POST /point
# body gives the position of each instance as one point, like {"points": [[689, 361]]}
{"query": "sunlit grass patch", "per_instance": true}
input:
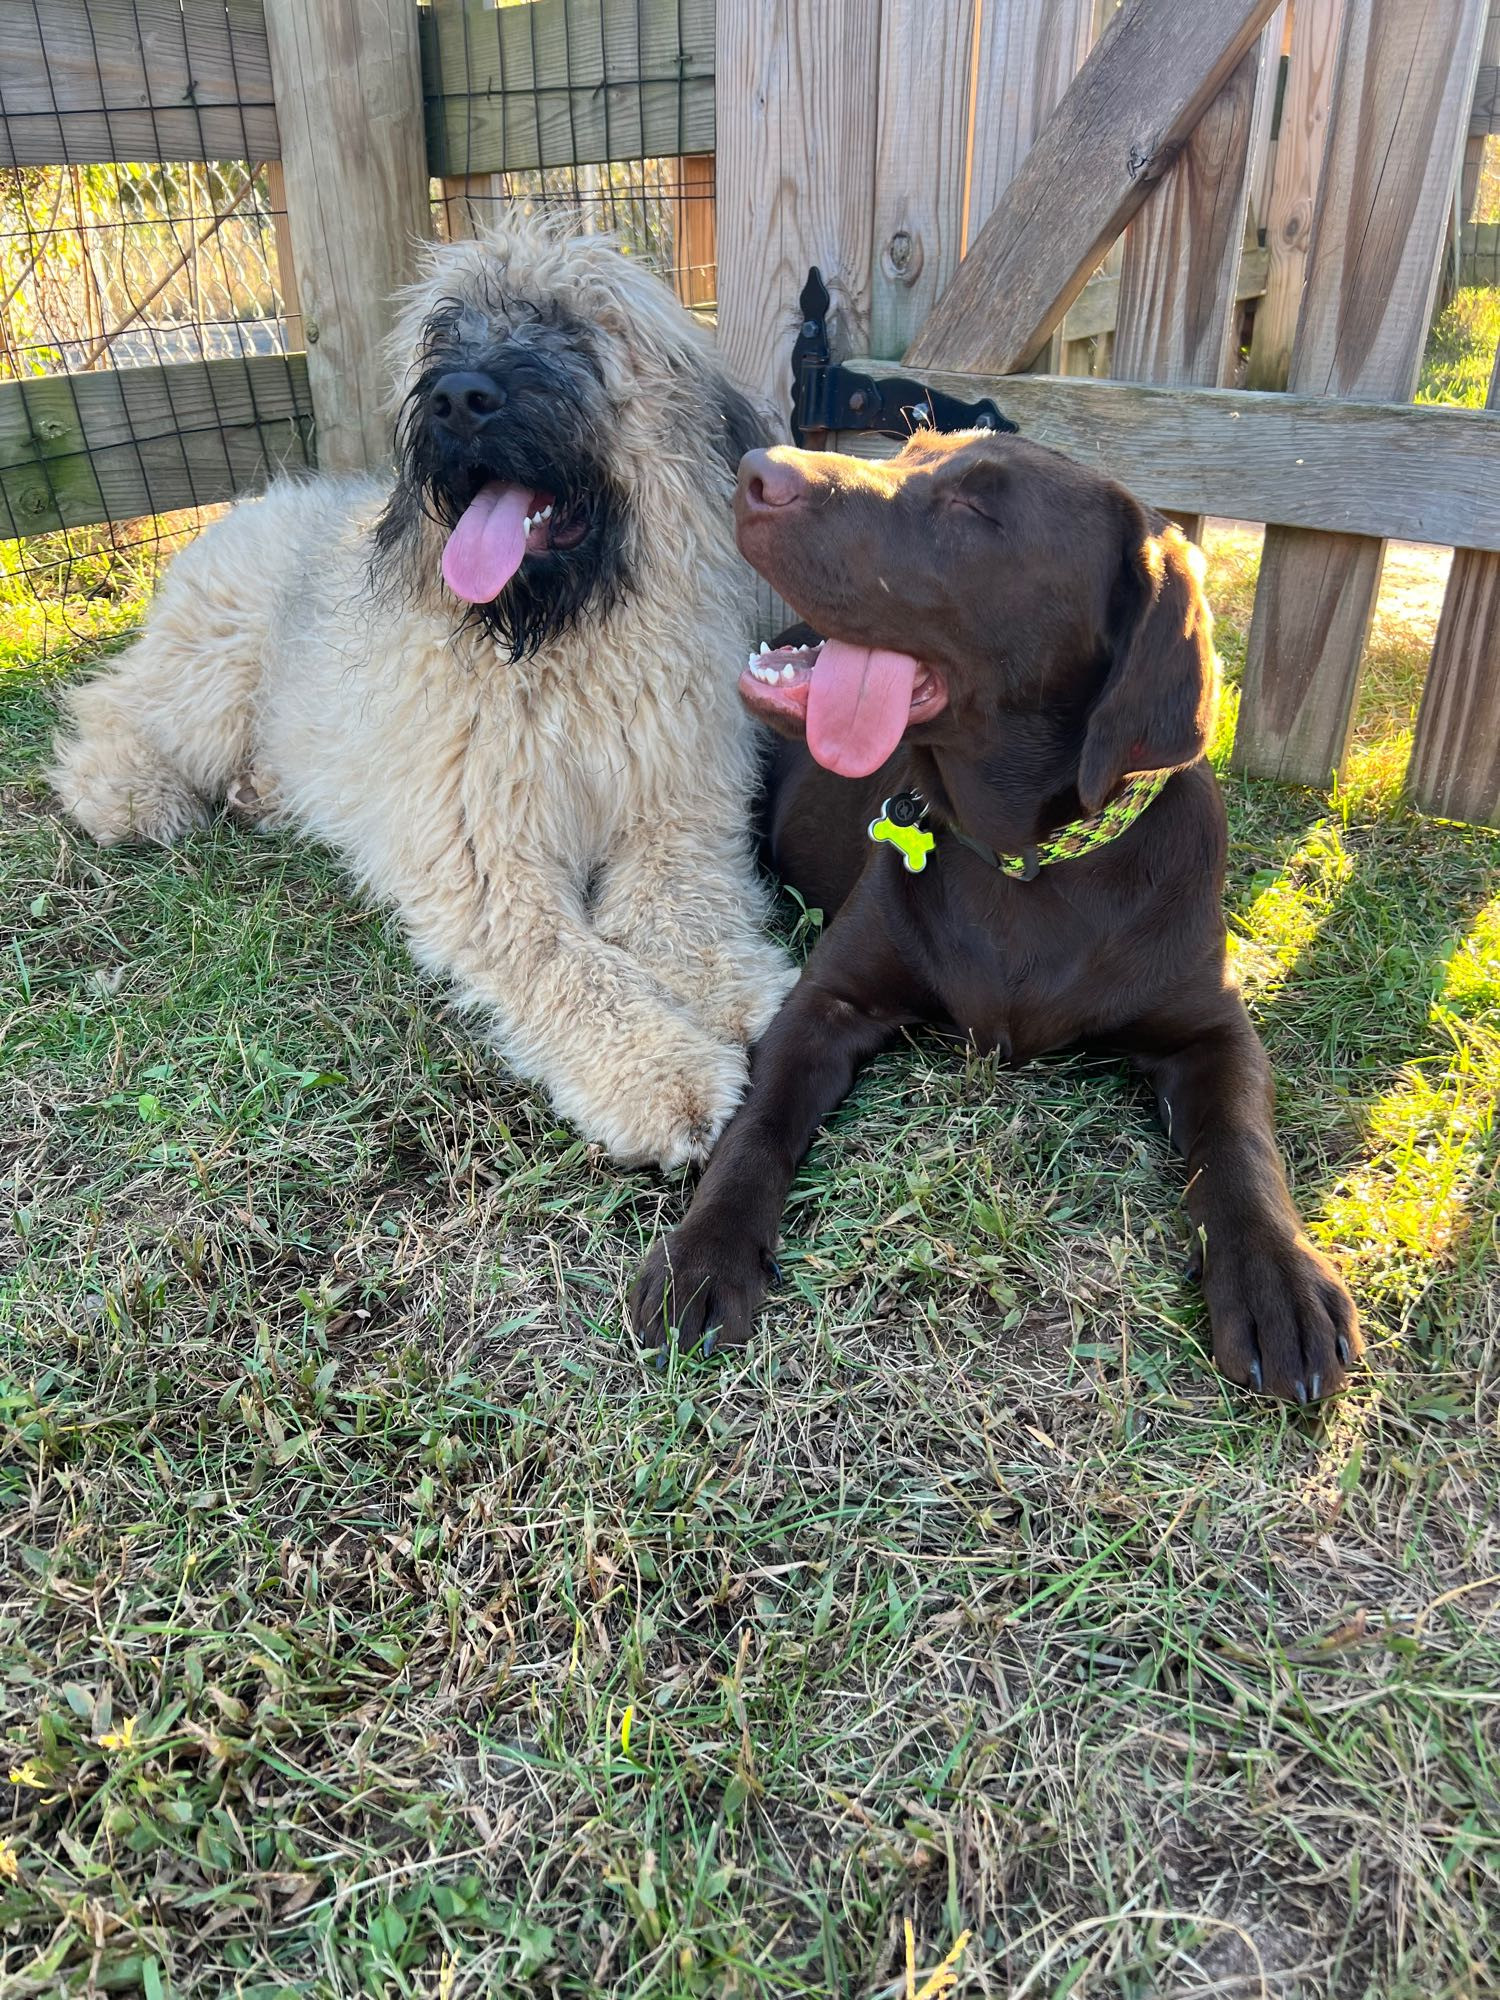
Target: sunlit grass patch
{"points": [[1288, 908], [64, 595], [1461, 348], [1428, 1182]]}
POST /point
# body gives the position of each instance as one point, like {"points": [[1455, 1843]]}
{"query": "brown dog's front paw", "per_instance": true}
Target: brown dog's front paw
{"points": [[1283, 1321], [701, 1288]]}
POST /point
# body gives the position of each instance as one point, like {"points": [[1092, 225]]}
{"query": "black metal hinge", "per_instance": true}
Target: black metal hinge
{"points": [[827, 396]]}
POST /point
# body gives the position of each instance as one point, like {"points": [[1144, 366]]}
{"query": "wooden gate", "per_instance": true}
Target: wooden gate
{"points": [[960, 170]]}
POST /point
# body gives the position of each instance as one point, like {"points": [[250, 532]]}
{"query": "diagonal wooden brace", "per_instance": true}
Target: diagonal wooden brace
{"points": [[1112, 137]]}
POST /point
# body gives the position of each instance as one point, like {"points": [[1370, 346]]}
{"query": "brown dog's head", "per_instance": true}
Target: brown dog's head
{"points": [[972, 581]]}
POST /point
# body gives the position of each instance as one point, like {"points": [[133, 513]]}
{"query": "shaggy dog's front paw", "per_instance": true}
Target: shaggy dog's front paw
{"points": [[668, 1105], [744, 1003]]}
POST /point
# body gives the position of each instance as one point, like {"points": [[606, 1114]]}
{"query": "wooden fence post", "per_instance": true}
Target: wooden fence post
{"points": [[469, 202], [348, 85], [1400, 111], [1455, 760]]}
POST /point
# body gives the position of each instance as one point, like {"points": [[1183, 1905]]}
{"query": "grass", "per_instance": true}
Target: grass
{"points": [[1461, 348], [377, 1624]]}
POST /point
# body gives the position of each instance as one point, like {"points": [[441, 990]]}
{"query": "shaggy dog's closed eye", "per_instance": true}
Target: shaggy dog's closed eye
{"points": [[499, 684]]}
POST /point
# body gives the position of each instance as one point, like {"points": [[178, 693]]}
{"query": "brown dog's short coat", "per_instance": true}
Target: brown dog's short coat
{"points": [[1055, 640]]}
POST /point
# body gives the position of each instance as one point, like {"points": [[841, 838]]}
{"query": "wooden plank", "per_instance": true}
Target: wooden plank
{"points": [[1097, 306], [1484, 117], [286, 263], [1455, 759], [1182, 250], [1479, 253], [349, 92], [566, 82], [1400, 108], [1178, 311], [76, 449], [796, 86], [1294, 186], [1417, 472], [1262, 133], [467, 202], [1156, 69], [921, 151], [695, 253], [1027, 53], [88, 80]]}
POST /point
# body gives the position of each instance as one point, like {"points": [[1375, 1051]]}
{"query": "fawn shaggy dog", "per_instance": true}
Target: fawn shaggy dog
{"points": [[501, 686]]}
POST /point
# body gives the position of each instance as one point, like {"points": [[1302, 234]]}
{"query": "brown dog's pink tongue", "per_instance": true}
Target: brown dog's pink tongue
{"points": [[484, 551], [857, 706]]}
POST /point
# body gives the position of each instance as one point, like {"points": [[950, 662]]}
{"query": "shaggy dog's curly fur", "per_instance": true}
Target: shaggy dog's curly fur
{"points": [[550, 780]]}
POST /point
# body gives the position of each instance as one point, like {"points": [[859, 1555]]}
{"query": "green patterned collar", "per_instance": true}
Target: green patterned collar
{"points": [[901, 818]]}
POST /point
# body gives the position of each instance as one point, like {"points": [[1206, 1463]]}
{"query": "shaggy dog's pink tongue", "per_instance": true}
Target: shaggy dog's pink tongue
{"points": [[484, 551], [858, 706]]}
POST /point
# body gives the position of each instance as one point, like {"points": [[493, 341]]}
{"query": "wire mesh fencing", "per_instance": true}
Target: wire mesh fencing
{"points": [[143, 324], [662, 211], [106, 267], [150, 336], [601, 108]]}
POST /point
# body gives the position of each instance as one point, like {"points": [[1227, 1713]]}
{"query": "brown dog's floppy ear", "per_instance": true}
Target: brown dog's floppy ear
{"points": [[1157, 706]]}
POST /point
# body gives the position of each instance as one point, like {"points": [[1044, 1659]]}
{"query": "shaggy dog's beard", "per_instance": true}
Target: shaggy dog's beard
{"points": [[544, 437]]}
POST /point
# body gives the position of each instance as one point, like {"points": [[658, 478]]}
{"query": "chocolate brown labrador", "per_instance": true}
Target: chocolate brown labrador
{"points": [[1008, 639]]}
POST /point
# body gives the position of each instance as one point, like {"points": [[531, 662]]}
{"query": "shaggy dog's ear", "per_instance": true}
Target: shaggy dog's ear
{"points": [[741, 426], [1157, 706]]}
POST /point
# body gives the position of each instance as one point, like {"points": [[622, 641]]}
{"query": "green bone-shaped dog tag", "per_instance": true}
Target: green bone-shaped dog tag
{"points": [[899, 823]]}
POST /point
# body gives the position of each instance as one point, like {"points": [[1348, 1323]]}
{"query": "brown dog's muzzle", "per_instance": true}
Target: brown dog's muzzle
{"points": [[853, 701]]}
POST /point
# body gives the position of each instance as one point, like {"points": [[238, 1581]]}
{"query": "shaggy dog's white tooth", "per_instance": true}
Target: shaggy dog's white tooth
{"points": [[546, 513], [764, 647], [526, 525], [789, 673]]}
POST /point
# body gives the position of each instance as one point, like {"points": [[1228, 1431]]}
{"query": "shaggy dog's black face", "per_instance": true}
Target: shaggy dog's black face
{"points": [[503, 440]]}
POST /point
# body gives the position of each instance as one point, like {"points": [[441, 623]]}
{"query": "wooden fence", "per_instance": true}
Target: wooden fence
{"points": [[990, 188], [958, 172]]}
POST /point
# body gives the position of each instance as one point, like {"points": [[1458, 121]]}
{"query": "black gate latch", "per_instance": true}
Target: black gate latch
{"points": [[827, 396]]}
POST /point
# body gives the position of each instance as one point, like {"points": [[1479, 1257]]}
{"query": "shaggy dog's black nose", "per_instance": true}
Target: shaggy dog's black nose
{"points": [[463, 400]]}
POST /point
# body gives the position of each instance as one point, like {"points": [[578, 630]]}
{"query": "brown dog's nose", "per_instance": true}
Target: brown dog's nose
{"points": [[770, 479]]}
